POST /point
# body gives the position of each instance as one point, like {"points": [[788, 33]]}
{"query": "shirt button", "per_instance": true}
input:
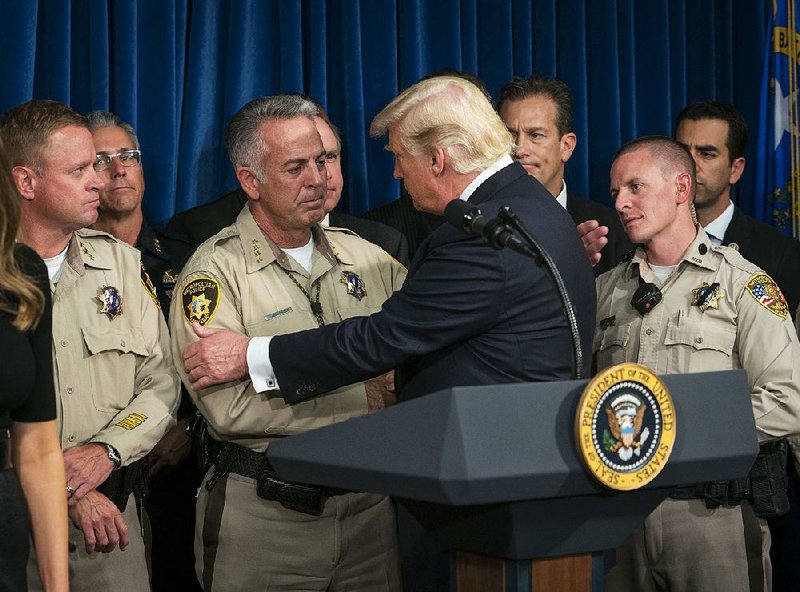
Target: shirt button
{"points": [[71, 437], [649, 332], [63, 343], [122, 342], [69, 390], [698, 340]]}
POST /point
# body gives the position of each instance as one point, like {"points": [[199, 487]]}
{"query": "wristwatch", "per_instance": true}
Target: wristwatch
{"points": [[113, 455]]}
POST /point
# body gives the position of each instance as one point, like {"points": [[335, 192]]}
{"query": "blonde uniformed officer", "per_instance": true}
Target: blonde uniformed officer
{"points": [[718, 312], [275, 270], [117, 391]]}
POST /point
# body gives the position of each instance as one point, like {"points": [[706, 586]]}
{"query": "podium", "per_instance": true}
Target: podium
{"points": [[494, 470]]}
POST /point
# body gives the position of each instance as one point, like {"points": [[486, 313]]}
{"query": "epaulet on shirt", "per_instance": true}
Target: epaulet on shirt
{"points": [[346, 234], [208, 245], [91, 234], [735, 259], [759, 284], [341, 230], [204, 249]]}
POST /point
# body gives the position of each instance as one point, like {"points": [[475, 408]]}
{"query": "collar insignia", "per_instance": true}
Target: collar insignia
{"points": [[257, 251], [168, 279], [355, 287], [111, 301], [86, 252]]}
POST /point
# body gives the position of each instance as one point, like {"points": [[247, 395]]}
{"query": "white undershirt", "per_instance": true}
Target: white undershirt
{"points": [[662, 272], [55, 265], [302, 254]]}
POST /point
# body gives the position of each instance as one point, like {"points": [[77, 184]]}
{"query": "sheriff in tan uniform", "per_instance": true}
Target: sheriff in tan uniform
{"points": [[742, 322], [114, 380], [717, 312], [739, 321], [241, 280]]}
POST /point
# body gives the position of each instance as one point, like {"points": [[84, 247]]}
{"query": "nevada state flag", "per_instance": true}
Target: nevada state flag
{"points": [[778, 149]]}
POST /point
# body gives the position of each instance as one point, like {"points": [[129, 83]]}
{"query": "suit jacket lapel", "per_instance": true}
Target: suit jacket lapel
{"points": [[737, 231]]}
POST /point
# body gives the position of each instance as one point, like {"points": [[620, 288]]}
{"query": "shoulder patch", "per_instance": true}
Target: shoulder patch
{"points": [[200, 300], [148, 285], [768, 294]]}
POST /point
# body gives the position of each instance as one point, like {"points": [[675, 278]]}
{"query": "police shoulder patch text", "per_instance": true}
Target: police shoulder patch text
{"points": [[200, 299], [625, 426]]}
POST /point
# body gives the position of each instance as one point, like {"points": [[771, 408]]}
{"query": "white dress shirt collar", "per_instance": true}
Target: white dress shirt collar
{"points": [[719, 226], [500, 163]]}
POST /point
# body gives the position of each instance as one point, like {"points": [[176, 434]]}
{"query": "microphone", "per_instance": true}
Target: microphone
{"points": [[494, 231]]}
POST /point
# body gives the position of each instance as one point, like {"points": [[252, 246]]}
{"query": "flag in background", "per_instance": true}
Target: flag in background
{"points": [[778, 149]]}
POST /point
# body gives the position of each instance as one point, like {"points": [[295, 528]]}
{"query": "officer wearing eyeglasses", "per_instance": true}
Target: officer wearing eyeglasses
{"points": [[173, 475], [680, 304]]}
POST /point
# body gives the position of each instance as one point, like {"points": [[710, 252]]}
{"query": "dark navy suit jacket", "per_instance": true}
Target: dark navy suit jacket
{"points": [[467, 314], [771, 250]]}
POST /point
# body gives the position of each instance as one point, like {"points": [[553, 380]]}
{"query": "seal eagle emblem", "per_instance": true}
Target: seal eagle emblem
{"points": [[625, 426]]}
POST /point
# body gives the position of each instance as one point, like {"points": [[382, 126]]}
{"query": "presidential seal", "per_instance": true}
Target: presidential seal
{"points": [[625, 426]]}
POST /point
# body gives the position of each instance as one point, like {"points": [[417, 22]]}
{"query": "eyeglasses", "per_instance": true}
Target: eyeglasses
{"points": [[127, 158]]}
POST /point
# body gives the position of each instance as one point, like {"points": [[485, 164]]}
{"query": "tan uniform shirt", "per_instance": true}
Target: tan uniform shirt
{"points": [[797, 321], [745, 327], [113, 371], [238, 280]]}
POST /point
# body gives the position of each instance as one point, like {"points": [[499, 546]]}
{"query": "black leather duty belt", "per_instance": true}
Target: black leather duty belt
{"points": [[232, 458]]}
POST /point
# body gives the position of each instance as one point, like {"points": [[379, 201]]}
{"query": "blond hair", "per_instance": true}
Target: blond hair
{"points": [[26, 130], [19, 296], [450, 113]]}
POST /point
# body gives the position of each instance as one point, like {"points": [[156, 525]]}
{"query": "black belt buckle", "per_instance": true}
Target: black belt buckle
{"points": [[292, 496]]}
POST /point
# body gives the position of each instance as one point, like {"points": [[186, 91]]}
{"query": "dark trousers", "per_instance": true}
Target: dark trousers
{"points": [[427, 564], [14, 534], [785, 533], [170, 506]]}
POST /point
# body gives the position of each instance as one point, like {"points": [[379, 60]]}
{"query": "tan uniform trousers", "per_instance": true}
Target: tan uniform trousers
{"points": [[661, 554], [121, 570], [247, 544]]}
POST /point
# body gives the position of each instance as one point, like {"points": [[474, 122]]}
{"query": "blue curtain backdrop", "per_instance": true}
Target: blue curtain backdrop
{"points": [[178, 69]]}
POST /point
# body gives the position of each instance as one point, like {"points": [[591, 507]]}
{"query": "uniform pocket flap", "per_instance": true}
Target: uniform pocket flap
{"points": [[699, 337], [615, 335], [99, 340]]}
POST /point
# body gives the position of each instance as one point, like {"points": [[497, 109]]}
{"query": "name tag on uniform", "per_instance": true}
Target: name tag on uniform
{"points": [[277, 313]]}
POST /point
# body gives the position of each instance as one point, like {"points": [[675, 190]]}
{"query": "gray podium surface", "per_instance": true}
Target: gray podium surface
{"points": [[494, 469]]}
